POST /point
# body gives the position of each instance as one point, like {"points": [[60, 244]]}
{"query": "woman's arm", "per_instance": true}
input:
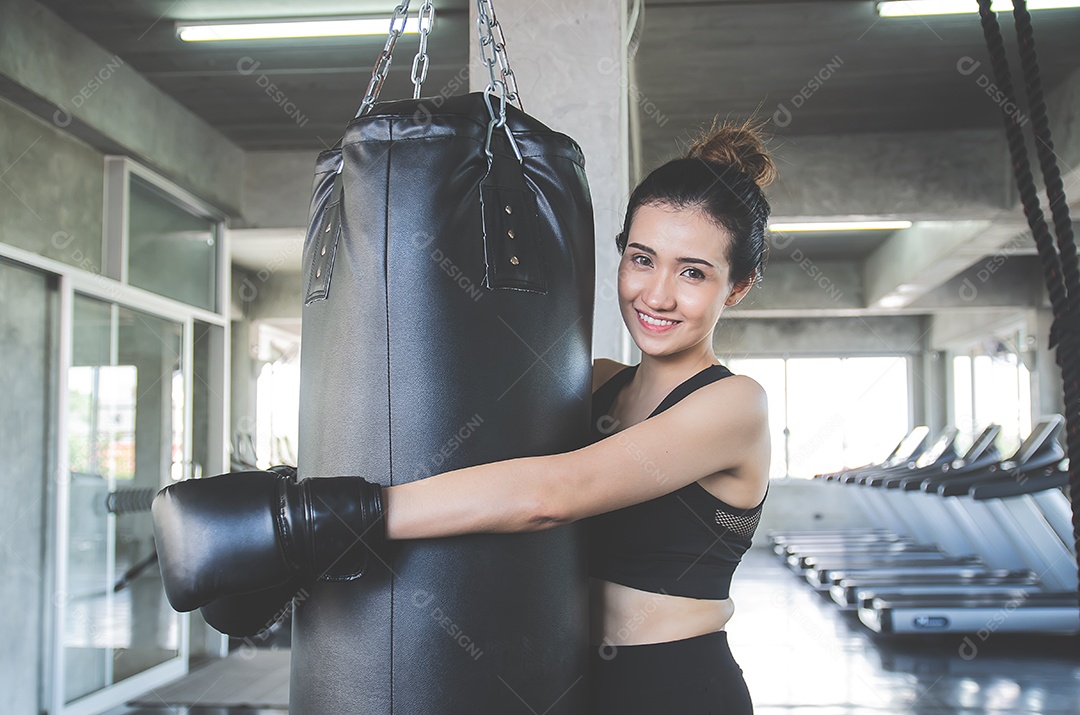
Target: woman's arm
{"points": [[721, 427]]}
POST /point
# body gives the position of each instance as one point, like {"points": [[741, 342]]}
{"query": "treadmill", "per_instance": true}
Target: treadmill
{"points": [[1030, 609], [800, 555], [943, 453], [948, 549], [981, 455], [971, 529], [905, 450]]}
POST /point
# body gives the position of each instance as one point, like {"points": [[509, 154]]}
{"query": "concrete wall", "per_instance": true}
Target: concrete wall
{"points": [[277, 189], [1047, 386], [910, 175], [60, 75], [778, 337], [51, 196], [243, 366], [803, 504], [27, 325]]}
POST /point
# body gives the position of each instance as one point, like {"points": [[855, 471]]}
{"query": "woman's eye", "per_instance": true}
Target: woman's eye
{"points": [[694, 273], [642, 260]]}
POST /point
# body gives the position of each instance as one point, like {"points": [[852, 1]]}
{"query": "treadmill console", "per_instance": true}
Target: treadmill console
{"points": [[1044, 434]]}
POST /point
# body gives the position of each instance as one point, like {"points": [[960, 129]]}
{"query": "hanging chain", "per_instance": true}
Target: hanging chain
{"points": [[492, 54], [420, 62], [382, 65], [493, 51], [508, 76]]}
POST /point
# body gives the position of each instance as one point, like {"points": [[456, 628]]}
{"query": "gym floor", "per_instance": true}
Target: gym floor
{"points": [[802, 656]]}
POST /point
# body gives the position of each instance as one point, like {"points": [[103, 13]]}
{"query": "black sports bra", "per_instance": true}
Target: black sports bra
{"points": [[685, 543]]}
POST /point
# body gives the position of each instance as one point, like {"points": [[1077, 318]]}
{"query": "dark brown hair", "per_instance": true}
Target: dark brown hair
{"points": [[722, 174]]}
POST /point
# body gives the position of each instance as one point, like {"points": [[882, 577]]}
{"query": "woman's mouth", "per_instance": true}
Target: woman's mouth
{"points": [[654, 324]]}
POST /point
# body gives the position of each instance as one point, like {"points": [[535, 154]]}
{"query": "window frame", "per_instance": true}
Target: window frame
{"points": [[116, 225]]}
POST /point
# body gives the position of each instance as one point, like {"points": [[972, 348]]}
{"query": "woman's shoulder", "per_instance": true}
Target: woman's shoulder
{"points": [[603, 370], [734, 389]]}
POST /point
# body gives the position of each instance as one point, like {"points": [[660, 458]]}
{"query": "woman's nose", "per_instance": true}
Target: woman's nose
{"points": [[658, 294]]}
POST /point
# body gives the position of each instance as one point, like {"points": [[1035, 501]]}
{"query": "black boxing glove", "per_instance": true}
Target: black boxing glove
{"points": [[250, 614], [244, 532]]}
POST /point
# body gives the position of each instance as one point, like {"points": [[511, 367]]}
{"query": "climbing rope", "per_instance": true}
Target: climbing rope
{"points": [[1059, 262]]}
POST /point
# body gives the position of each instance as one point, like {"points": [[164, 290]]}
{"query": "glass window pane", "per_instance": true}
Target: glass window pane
{"points": [[876, 414], [125, 429], [1002, 387], [830, 413], [1024, 396], [171, 251], [816, 415], [278, 397], [963, 412]]}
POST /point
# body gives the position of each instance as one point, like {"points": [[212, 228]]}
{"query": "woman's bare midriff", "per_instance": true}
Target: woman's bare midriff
{"points": [[620, 615]]}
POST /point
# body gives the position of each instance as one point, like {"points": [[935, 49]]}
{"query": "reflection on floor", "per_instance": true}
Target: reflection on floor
{"points": [[801, 656]]}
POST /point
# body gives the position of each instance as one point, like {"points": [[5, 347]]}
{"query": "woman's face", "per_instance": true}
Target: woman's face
{"points": [[674, 279]]}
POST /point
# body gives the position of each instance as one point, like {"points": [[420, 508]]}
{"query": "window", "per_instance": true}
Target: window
{"points": [[162, 239], [277, 397], [832, 412], [171, 251], [991, 384]]}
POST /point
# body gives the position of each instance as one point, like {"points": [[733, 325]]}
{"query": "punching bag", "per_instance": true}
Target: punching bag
{"points": [[447, 322]]}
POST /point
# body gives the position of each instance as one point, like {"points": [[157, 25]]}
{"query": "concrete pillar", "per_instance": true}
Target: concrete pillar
{"points": [[27, 315], [931, 388], [570, 61], [1047, 387]]}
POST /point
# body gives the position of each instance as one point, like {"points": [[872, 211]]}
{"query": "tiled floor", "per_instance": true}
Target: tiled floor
{"points": [[801, 656]]}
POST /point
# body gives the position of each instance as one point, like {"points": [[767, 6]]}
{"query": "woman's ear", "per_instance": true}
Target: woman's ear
{"points": [[740, 289]]}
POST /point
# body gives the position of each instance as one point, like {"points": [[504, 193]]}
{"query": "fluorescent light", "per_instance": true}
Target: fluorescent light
{"points": [[261, 30], [840, 226], [911, 8]]}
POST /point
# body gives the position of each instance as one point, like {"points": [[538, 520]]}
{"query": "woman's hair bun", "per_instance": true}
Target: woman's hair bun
{"points": [[739, 145]]}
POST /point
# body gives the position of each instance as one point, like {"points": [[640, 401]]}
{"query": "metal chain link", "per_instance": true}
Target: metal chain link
{"points": [[382, 65], [420, 62], [508, 76], [490, 35], [493, 51]]}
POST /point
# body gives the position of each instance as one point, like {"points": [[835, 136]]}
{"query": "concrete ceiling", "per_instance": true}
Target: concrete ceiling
{"points": [[829, 76], [321, 81], [700, 58], [695, 59]]}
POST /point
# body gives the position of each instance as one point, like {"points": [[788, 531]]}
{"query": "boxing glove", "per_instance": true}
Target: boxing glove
{"points": [[251, 614], [244, 532]]}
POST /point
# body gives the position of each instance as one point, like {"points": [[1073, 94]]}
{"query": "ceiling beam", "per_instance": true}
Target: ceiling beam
{"points": [[914, 261], [53, 71], [910, 175], [1063, 110]]}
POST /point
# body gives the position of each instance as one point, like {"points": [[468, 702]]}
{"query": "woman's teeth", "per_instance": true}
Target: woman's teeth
{"points": [[655, 321]]}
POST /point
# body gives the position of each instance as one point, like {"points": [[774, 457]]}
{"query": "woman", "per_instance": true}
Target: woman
{"points": [[676, 476], [673, 481]]}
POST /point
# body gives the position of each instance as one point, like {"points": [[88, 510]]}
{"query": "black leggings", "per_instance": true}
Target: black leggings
{"points": [[695, 676]]}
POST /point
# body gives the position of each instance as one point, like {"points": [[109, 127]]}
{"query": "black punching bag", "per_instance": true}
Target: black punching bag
{"points": [[447, 323]]}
